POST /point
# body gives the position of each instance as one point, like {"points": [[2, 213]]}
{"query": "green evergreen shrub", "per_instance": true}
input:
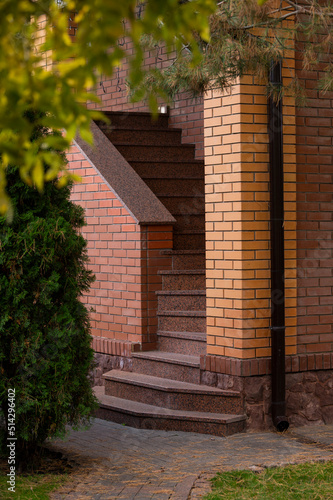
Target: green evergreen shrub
{"points": [[45, 342]]}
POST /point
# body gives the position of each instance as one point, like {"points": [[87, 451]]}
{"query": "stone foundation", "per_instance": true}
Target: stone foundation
{"points": [[309, 394], [107, 362], [309, 397]]}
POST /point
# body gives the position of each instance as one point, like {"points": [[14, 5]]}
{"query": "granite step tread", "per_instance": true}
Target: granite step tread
{"points": [[189, 214], [144, 410], [164, 384], [178, 162], [183, 279], [189, 231], [156, 153], [185, 302], [111, 128], [163, 146], [198, 314], [183, 252], [168, 170], [169, 357], [181, 292], [182, 271], [144, 136], [184, 195], [135, 120], [165, 178], [197, 336], [193, 343], [166, 186], [175, 204]]}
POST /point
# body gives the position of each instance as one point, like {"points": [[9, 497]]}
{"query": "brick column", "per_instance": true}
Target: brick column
{"points": [[237, 221]]}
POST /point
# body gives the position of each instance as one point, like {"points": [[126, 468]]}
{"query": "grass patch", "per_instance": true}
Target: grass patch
{"points": [[293, 482], [38, 480], [32, 487]]}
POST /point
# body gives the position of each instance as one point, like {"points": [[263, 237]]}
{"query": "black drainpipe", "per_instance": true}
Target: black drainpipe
{"points": [[277, 253]]}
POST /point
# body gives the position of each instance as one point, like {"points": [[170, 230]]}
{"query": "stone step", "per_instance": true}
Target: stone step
{"points": [[171, 394], [192, 279], [176, 186], [134, 120], [190, 343], [143, 416], [181, 300], [190, 221], [166, 169], [146, 136], [186, 239], [187, 203], [182, 321], [156, 153], [185, 368], [187, 259]]}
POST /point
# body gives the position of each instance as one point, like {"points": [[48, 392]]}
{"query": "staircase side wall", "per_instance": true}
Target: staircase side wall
{"points": [[113, 238], [125, 258]]}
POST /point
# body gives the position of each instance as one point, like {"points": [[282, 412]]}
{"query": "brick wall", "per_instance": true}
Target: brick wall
{"points": [[114, 251], [125, 258], [314, 217]]}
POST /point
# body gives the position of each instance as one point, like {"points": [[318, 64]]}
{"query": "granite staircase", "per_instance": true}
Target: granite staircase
{"points": [[163, 391]]}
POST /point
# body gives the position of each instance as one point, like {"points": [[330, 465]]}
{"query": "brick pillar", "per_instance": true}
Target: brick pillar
{"points": [[237, 221]]}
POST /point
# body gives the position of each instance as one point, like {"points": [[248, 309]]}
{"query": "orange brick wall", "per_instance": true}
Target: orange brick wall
{"points": [[114, 252], [314, 217], [237, 222], [124, 257]]}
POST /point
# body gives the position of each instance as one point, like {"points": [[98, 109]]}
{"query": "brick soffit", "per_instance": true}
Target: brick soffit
{"points": [[122, 180]]}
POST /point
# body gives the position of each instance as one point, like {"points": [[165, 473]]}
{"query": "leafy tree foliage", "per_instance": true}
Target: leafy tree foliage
{"points": [[45, 351], [60, 90], [246, 36]]}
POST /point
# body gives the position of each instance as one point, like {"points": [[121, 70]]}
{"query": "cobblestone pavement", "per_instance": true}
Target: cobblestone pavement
{"points": [[118, 462]]}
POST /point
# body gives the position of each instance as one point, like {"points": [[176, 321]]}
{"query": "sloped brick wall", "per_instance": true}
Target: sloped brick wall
{"points": [[114, 252], [125, 258]]}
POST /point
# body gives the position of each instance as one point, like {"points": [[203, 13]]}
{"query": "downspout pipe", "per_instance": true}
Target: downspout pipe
{"points": [[277, 252]]}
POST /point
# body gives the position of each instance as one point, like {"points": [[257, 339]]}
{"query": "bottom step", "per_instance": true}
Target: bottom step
{"points": [[142, 416]]}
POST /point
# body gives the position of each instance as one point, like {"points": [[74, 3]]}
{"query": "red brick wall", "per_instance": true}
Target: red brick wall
{"points": [[314, 213], [125, 258], [114, 252]]}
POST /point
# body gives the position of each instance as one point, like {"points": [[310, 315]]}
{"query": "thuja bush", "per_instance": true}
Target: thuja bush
{"points": [[45, 343]]}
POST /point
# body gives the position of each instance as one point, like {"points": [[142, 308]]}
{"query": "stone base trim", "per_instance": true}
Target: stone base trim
{"points": [[114, 347], [262, 366], [106, 362], [309, 396]]}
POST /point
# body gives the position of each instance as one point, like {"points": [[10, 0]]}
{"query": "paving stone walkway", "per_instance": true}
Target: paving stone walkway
{"points": [[118, 462]]}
